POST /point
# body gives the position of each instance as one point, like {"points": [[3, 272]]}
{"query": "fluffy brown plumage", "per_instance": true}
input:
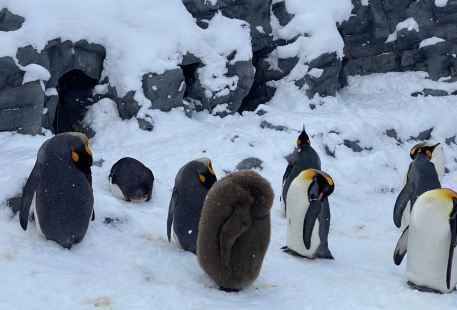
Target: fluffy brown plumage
{"points": [[234, 229]]}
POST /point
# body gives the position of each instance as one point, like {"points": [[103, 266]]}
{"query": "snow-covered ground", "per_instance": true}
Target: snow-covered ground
{"points": [[129, 263]]}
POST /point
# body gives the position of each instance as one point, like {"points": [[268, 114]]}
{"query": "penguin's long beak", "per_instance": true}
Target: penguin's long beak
{"points": [[453, 243], [312, 214]]}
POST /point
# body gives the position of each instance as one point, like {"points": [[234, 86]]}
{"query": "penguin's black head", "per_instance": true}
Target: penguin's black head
{"points": [[303, 139], [206, 174], [321, 186], [81, 154], [425, 148]]}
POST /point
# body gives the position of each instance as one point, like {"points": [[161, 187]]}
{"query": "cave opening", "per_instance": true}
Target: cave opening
{"points": [[190, 75], [75, 90]]}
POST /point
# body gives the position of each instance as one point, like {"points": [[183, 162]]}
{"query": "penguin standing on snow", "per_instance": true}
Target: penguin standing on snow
{"points": [[303, 157], [130, 180], [436, 154], [422, 176], [308, 214], [430, 240], [234, 229], [61, 186], [192, 183]]}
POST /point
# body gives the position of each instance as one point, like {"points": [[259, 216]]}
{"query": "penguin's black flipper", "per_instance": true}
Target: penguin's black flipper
{"points": [[236, 225], [311, 216], [400, 249], [27, 195], [287, 172], [453, 243], [93, 215], [171, 212], [401, 202]]}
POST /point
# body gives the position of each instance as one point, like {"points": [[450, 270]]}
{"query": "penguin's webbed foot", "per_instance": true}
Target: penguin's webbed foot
{"points": [[423, 288], [229, 290]]}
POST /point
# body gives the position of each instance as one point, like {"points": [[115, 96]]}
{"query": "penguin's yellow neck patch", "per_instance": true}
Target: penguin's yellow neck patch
{"points": [[210, 169], [74, 156], [202, 178], [308, 174], [88, 150], [329, 180]]}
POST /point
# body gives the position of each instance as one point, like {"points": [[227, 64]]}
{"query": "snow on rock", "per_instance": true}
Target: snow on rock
{"points": [[410, 24], [34, 72], [126, 262], [318, 20], [430, 41], [139, 36], [441, 3]]}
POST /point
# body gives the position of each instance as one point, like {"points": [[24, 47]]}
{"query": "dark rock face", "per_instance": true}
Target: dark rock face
{"points": [[10, 21], [255, 12], [21, 108], [166, 90], [249, 163], [366, 32]]}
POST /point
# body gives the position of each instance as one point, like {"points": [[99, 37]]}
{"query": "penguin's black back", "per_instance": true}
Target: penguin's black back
{"points": [[188, 197], [304, 157], [64, 197], [133, 178]]}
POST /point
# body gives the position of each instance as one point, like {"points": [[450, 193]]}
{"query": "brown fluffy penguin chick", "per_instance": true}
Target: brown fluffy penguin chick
{"points": [[234, 229]]}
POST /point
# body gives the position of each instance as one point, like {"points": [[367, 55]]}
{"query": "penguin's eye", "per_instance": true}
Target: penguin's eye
{"points": [[74, 156], [202, 178]]}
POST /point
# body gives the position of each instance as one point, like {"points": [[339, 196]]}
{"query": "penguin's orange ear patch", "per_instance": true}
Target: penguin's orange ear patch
{"points": [[428, 153], [201, 178], [308, 141], [298, 141], [74, 156]]}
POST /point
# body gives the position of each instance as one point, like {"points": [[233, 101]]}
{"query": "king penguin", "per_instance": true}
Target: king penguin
{"points": [[436, 154], [303, 157], [430, 240], [130, 180], [235, 229], [60, 185], [308, 215], [422, 176], [192, 183]]}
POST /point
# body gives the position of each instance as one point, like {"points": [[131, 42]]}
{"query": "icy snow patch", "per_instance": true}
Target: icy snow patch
{"points": [[430, 41], [441, 3]]}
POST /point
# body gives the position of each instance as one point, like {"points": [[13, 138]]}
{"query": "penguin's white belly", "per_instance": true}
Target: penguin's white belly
{"points": [[116, 190], [428, 250], [297, 205], [406, 215], [35, 214], [439, 161]]}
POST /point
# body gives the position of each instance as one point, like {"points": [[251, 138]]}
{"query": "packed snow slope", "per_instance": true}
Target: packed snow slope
{"points": [[129, 263]]}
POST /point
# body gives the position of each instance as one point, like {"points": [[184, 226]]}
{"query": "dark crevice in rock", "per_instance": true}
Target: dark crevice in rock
{"points": [[190, 76], [75, 96]]}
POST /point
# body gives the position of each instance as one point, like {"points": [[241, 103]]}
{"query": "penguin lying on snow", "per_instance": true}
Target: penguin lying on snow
{"points": [[422, 176], [130, 180], [430, 240], [303, 157], [234, 230], [61, 186], [192, 183], [308, 215]]}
